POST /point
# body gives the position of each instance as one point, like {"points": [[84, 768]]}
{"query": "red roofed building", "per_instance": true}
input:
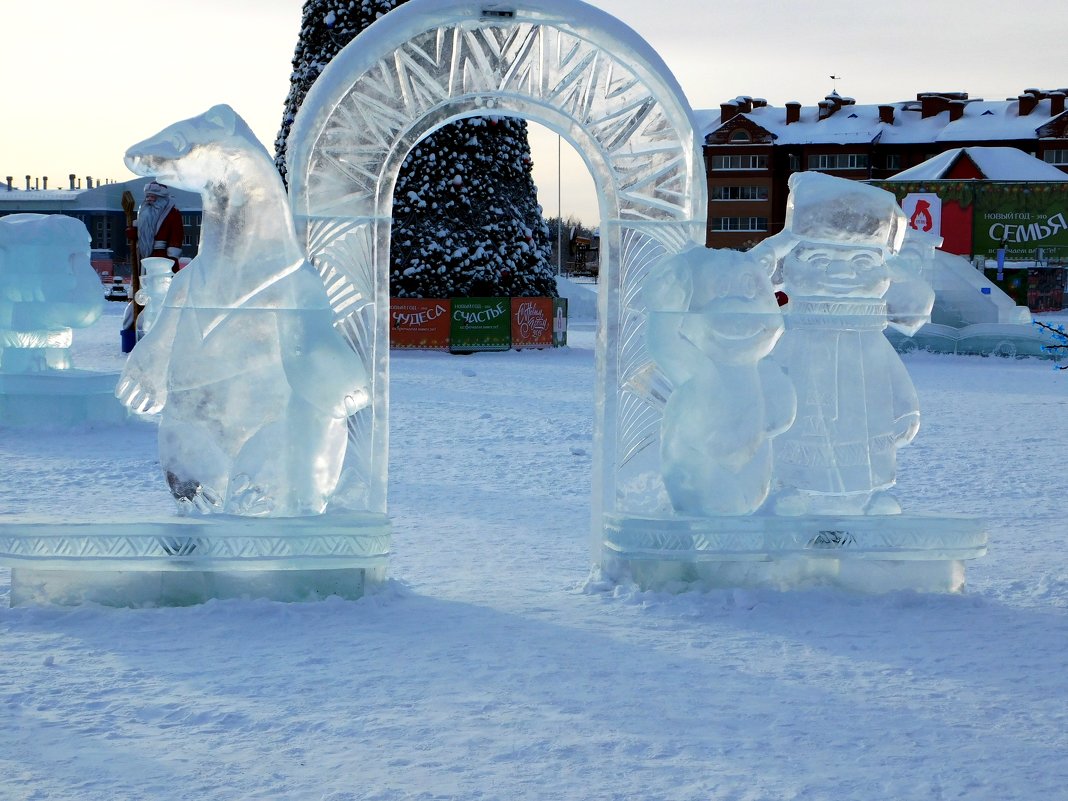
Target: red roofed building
{"points": [[751, 148]]}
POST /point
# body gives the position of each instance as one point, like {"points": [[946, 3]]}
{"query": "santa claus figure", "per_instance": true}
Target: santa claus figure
{"points": [[159, 225]]}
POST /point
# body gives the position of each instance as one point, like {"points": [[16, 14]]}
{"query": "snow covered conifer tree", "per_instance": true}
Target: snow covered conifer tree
{"points": [[466, 221]]}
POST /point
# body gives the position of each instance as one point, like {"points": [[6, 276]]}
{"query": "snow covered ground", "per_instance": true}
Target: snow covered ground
{"points": [[492, 667]]}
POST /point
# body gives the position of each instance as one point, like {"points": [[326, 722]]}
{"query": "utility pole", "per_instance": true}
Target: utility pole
{"points": [[559, 212]]}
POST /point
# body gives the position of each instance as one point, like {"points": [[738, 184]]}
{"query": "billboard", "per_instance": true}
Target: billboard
{"points": [[532, 323], [419, 324], [1029, 220], [481, 324]]}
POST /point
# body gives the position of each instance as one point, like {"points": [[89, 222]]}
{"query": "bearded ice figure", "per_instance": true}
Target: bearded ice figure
{"points": [[856, 404]]}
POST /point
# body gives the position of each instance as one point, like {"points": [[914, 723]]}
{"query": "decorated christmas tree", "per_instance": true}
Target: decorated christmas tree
{"points": [[466, 220]]}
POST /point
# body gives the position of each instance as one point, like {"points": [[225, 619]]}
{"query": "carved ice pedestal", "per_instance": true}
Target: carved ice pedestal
{"points": [[61, 398], [191, 560], [867, 553]]}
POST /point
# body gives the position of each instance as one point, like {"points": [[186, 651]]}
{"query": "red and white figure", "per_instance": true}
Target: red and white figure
{"points": [[923, 210]]}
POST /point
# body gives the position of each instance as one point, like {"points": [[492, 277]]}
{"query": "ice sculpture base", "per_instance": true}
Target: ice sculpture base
{"points": [[59, 398], [863, 553], [191, 560]]}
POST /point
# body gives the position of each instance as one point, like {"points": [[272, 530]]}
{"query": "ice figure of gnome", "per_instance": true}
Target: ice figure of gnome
{"points": [[855, 401], [713, 318], [47, 287], [253, 381]]}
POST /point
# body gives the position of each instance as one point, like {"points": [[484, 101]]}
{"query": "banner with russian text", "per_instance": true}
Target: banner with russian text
{"points": [[532, 323], [419, 323], [481, 324], [1029, 220]]}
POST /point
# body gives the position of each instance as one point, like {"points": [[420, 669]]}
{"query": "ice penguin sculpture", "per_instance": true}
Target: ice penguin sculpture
{"points": [[253, 381], [712, 319], [855, 401]]}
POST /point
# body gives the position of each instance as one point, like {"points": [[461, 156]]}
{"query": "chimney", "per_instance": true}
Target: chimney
{"points": [[746, 104], [728, 111], [886, 114], [37, 184], [826, 109], [956, 109], [46, 183], [88, 182], [71, 178], [793, 112], [28, 183], [1056, 103], [932, 105], [1027, 103], [759, 102], [9, 183]]}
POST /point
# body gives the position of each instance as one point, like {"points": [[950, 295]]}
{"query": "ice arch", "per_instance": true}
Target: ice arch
{"points": [[564, 64]]}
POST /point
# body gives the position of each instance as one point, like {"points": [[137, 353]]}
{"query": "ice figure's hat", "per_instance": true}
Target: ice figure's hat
{"points": [[838, 211]]}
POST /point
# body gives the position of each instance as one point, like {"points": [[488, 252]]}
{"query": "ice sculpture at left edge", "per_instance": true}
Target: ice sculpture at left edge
{"points": [[47, 288], [253, 382]]}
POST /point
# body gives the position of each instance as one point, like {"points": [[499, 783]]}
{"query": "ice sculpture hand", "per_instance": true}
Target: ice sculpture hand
{"points": [[253, 382], [712, 319], [47, 287], [910, 298]]}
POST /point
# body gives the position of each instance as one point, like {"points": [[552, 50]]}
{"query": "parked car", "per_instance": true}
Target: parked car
{"points": [[117, 290]]}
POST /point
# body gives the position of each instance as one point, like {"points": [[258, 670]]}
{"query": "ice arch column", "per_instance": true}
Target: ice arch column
{"points": [[564, 64]]}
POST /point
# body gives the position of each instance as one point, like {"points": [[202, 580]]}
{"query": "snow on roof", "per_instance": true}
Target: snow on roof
{"points": [[849, 124], [37, 195], [982, 120], [996, 163], [102, 197]]}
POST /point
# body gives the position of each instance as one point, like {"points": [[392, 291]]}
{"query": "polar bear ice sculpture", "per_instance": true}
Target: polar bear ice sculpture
{"points": [[253, 381], [712, 320]]}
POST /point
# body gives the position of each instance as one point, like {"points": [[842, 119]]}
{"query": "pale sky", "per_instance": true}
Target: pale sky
{"points": [[83, 79]]}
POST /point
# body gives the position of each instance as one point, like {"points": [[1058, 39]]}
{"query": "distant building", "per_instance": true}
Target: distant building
{"points": [[751, 148], [99, 207], [1005, 210]]}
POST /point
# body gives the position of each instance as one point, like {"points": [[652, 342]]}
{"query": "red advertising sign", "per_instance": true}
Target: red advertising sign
{"points": [[532, 323], [419, 323]]}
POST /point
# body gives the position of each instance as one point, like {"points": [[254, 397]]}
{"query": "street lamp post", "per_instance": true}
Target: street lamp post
{"points": [[559, 213]]}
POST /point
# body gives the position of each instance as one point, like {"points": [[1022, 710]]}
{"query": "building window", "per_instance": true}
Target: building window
{"points": [[739, 223], [739, 162], [740, 136], [793, 163], [1059, 157], [893, 161], [739, 193], [191, 234], [838, 161], [101, 233]]}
